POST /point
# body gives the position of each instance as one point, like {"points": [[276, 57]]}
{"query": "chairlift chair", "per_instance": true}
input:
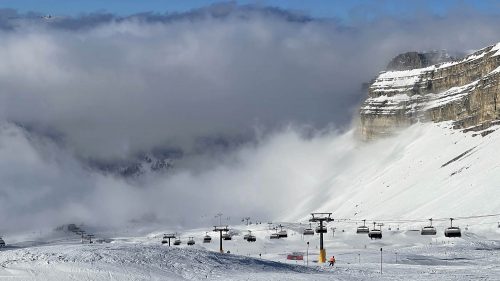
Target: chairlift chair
{"points": [[248, 236], [308, 231], [251, 238], [428, 230], [452, 231], [282, 234], [226, 236], [321, 229], [191, 241], [274, 236], [375, 233], [2, 243], [177, 242], [207, 238], [362, 229]]}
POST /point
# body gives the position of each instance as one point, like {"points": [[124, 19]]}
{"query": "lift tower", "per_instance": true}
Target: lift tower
{"points": [[220, 229], [168, 236], [321, 218]]}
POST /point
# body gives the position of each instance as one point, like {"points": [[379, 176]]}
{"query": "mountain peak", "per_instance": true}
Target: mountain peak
{"points": [[412, 60]]}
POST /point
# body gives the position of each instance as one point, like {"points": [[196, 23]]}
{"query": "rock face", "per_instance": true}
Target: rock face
{"points": [[412, 60], [465, 91]]}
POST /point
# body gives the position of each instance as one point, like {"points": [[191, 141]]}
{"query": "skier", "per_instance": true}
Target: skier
{"points": [[332, 261]]}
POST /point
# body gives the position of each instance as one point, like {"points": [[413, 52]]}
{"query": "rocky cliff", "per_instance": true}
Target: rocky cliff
{"points": [[412, 60], [465, 91]]}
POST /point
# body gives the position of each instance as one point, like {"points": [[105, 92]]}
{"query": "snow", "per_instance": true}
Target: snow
{"points": [[387, 105], [427, 171], [399, 81], [358, 258], [466, 59], [497, 49], [394, 98], [497, 70], [404, 177], [450, 95]]}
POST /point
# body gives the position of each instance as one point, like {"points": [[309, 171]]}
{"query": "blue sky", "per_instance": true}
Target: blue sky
{"points": [[343, 9]]}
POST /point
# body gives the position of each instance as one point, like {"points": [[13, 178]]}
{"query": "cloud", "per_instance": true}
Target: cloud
{"points": [[43, 185], [104, 87], [114, 86]]}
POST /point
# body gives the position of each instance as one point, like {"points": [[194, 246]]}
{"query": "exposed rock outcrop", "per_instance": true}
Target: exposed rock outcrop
{"points": [[466, 91], [412, 60]]}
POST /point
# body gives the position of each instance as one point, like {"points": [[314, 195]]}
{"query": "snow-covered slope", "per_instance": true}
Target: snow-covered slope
{"points": [[406, 255], [428, 171]]}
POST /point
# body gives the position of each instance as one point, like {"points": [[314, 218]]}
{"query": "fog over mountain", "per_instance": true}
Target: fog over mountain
{"points": [[101, 87]]}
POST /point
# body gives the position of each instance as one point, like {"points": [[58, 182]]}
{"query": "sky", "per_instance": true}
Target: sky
{"points": [[317, 8], [280, 81]]}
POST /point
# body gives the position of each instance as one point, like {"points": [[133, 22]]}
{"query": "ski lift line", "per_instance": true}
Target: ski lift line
{"points": [[420, 220], [401, 221]]}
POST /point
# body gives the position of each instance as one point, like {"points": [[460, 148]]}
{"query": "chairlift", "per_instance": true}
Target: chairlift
{"points": [[452, 231], [191, 241], [428, 230], [251, 238], [274, 236], [207, 238], [226, 236], [308, 231], [177, 242], [362, 229], [282, 234], [375, 233], [321, 229], [2, 243]]}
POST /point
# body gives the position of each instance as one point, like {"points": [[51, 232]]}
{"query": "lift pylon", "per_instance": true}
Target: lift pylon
{"points": [[166, 237], [321, 218], [220, 229]]}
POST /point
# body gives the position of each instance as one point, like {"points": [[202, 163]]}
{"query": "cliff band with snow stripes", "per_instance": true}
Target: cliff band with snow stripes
{"points": [[466, 91]]}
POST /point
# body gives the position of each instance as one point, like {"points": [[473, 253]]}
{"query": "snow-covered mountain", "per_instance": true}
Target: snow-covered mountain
{"points": [[438, 160], [464, 91]]}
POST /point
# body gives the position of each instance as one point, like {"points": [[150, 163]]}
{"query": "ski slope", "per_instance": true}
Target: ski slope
{"points": [[473, 257], [428, 171]]}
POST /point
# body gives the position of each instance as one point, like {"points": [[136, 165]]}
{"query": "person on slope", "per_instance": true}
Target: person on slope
{"points": [[332, 261]]}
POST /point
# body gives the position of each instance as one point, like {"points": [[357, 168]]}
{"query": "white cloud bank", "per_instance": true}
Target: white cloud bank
{"points": [[119, 87]]}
